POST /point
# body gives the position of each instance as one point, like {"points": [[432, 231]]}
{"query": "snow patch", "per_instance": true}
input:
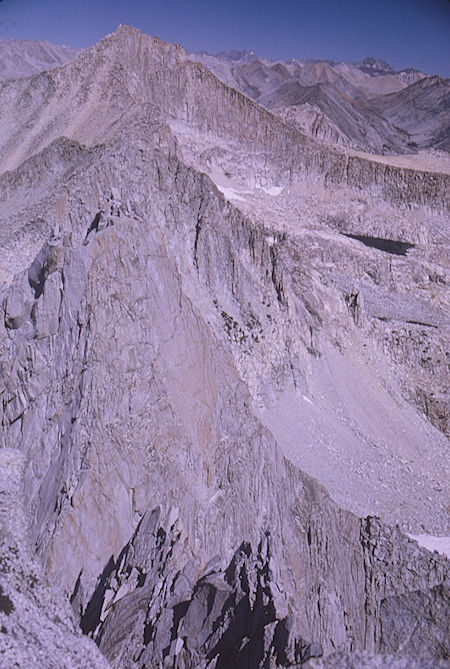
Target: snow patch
{"points": [[230, 193], [273, 190], [431, 543]]}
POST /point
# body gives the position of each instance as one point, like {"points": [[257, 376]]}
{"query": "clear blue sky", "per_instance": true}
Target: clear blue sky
{"points": [[413, 33]]}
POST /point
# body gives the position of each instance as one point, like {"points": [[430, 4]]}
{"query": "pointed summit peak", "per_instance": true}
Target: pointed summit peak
{"points": [[132, 44], [124, 29], [375, 66]]}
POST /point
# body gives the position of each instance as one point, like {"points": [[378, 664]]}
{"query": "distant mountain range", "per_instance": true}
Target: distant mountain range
{"points": [[366, 106], [21, 58]]}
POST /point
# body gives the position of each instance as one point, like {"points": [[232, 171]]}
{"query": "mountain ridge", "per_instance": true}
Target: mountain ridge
{"points": [[360, 81], [373, 133]]}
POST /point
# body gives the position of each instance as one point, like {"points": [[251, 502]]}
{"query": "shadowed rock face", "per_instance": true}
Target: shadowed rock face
{"points": [[398, 615], [190, 615], [182, 370], [200, 615]]}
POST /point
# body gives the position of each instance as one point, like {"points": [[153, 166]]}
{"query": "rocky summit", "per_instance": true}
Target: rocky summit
{"points": [[223, 369]]}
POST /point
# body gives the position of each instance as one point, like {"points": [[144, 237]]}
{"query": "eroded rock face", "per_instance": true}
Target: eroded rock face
{"points": [[400, 632], [151, 334]]}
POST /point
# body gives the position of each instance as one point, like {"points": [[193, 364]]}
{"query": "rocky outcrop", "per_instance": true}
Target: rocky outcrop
{"points": [[194, 615], [101, 382], [310, 120], [84, 443], [398, 582], [155, 605]]}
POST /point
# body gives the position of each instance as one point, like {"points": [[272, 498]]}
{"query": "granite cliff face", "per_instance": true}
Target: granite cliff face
{"points": [[222, 372]]}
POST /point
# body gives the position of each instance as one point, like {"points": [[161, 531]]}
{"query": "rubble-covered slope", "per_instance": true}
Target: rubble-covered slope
{"points": [[150, 329]]}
